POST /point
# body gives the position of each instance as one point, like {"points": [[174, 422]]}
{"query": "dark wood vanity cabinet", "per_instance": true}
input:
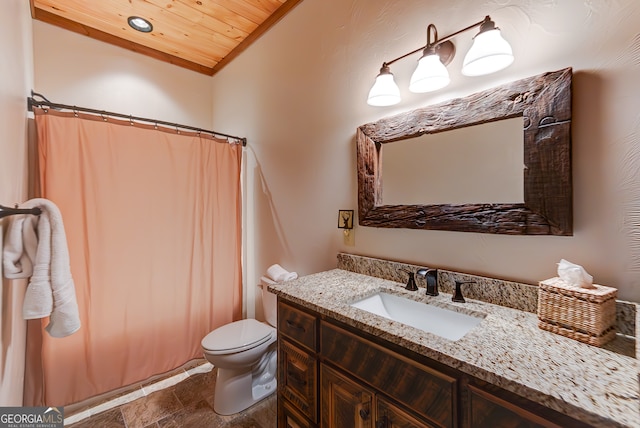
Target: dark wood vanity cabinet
{"points": [[331, 377], [334, 376]]}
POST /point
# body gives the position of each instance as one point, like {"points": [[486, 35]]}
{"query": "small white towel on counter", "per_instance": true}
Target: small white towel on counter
{"points": [[279, 274], [36, 247]]}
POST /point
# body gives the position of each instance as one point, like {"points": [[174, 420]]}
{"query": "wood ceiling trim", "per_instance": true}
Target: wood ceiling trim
{"points": [[53, 19], [286, 7]]}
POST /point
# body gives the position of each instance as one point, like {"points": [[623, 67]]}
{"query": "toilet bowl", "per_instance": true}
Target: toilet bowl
{"points": [[244, 352]]}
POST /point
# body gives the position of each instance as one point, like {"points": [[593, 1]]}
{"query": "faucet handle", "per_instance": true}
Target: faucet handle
{"points": [[458, 297], [411, 281]]}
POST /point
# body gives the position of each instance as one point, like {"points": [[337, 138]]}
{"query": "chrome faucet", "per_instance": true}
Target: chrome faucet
{"points": [[431, 277]]}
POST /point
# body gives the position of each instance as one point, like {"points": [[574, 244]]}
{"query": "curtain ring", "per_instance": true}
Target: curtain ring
{"points": [[75, 112], [155, 126], [177, 130], [103, 117], [130, 120]]}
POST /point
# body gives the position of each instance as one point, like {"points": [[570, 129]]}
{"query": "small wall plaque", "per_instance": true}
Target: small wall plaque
{"points": [[345, 219]]}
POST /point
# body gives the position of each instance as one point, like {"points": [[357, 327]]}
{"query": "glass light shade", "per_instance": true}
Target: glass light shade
{"points": [[488, 54], [384, 91], [430, 75]]}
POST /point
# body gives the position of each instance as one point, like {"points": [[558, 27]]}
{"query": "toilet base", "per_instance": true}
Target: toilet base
{"points": [[237, 390]]}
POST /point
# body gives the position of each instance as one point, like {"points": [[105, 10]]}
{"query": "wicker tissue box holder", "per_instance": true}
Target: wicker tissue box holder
{"points": [[586, 315]]}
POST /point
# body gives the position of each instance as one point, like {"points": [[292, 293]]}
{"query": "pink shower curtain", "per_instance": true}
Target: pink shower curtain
{"points": [[153, 222]]}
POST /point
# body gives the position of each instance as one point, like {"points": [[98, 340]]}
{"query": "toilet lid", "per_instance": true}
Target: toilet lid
{"points": [[237, 336]]}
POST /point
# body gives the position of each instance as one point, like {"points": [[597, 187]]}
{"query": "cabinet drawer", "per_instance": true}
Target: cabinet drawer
{"points": [[298, 325], [426, 391], [498, 408], [288, 417], [297, 379], [389, 415]]}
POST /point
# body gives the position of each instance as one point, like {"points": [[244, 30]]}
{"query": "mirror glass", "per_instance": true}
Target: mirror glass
{"points": [[479, 164]]}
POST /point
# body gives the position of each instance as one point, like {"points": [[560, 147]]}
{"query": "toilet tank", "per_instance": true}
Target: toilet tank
{"points": [[269, 302]]}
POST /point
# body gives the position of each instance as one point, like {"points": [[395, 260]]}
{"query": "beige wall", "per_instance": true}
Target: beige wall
{"points": [[299, 93], [76, 70], [16, 77]]}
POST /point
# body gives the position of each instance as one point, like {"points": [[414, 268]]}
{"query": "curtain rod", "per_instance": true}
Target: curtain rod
{"points": [[32, 102]]}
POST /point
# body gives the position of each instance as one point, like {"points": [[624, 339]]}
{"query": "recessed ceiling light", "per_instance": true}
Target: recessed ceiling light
{"points": [[140, 24]]}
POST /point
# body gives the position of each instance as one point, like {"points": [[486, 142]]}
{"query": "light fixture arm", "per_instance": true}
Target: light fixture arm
{"points": [[486, 21], [388, 63], [431, 27]]}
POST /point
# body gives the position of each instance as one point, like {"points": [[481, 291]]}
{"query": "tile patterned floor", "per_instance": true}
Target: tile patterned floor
{"points": [[186, 404]]}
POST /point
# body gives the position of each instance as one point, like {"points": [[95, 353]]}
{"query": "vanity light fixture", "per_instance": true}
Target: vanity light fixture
{"points": [[140, 24], [489, 53]]}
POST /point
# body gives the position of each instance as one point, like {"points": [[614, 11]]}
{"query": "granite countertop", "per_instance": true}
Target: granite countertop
{"points": [[507, 348]]}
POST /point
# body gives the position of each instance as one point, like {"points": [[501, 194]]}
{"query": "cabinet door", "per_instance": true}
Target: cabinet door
{"points": [[390, 416], [345, 404]]}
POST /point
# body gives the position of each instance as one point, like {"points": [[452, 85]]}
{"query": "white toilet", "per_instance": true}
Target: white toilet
{"points": [[244, 353]]}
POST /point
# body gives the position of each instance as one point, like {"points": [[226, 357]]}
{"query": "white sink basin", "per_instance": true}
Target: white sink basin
{"points": [[445, 323]]}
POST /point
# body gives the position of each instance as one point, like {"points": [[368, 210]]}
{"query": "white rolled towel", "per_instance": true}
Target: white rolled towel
{"points": [[279, 274]]}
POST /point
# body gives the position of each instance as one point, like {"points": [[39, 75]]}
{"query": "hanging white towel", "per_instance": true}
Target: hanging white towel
{"points": [[278, 273], [36, 247]]}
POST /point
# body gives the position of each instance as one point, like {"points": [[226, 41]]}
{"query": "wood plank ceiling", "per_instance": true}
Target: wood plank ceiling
{"points": [[201, 35]]}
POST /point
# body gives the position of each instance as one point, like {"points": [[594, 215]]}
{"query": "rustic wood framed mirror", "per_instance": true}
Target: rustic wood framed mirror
{"points": [[544, 103]]}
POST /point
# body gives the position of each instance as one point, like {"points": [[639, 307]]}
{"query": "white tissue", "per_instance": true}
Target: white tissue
{"points": [[278, 273], [574, 275]]}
